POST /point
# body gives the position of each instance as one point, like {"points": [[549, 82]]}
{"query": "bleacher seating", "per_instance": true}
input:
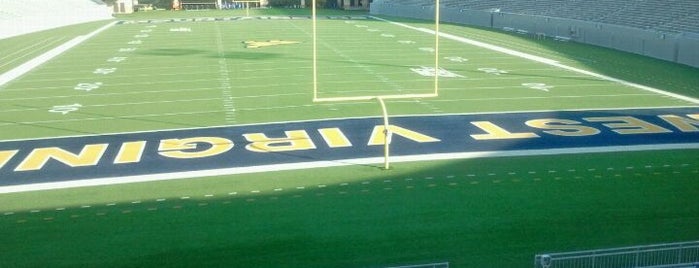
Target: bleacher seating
{"points": [[24, 16], [662, 15]]}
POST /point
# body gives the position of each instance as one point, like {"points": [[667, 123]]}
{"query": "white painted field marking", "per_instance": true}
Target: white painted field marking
{"points": [[8, 59], [181, 29], [494, 71], [538, 86], [455, 184], [114, 118], [59, 108], [266, 96], [547, 97], [65, 109], [456, 59], [43, 58], [318, 164], [104, 70], [229, 104], [430, 72], [543, 60], [88, 86]]}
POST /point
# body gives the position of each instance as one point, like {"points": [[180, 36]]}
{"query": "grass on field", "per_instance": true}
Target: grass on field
{"points": [[150, 76], [471, 213], [494, 212]]}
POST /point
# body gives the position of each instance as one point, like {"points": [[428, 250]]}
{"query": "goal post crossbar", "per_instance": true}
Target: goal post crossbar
{"points": [[366, 98]]}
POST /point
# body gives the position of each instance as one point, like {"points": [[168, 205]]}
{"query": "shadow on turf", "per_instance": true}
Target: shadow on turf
{"points": [[418, 213], [176, 52], [172, 52], [247, 55], [665, 75], [75, 131]]}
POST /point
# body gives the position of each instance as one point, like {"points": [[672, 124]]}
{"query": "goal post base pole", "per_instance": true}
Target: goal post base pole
{"points": [[387, 135]]}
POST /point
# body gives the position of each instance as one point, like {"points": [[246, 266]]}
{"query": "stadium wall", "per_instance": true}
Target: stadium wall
{"points": [[18, 17], [679, 48]]}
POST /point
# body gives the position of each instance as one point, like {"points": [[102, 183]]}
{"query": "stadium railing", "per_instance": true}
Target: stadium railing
{"points": [[428, 265], [674, 255]]}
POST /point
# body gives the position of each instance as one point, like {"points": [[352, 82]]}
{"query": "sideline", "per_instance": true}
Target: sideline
{"points": [[43, 58], [332, 163], [541, 60]]}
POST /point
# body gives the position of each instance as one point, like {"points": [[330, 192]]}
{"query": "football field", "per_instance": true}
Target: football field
{"points": [[192, 139]]}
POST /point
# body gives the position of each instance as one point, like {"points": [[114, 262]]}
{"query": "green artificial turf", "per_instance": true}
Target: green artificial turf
{"points": [[491, 212], [471, 213], [150, 76]]}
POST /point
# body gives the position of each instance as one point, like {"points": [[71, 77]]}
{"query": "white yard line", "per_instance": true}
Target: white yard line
{"points": [[43, 58], [287, 107], [107, 118], [308, 120], [225, 83], [543, 97], [120, 104], [153, 92], [335, 163], [543, 60], [13, 56]]}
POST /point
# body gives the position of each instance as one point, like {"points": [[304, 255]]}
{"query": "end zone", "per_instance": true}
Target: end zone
{"points": [[28, 165]]}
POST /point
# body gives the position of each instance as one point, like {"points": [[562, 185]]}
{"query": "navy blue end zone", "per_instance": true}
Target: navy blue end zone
{"points": [[62, 160]]}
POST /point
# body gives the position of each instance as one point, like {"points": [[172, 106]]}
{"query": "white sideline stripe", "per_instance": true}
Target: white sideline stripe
{"points": [[42, 45], [320, 100], [543, 60], [43, 58], [334, 163]]}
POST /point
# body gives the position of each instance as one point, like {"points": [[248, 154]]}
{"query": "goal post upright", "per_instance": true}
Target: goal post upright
{"points": [[380, 98], [436, 45], [247, 5], [315, 51]]}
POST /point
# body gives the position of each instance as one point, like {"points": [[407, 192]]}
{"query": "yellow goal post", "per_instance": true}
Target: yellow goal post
{"points": [[434, 92], [247, 3]]}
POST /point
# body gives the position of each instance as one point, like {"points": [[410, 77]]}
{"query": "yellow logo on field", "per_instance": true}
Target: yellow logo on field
{"points": [[269, 43]]}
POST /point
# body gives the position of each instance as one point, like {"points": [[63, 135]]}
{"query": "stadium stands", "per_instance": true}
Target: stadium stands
{"points": [[663, 29], [24, 16], [661, 15]]}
